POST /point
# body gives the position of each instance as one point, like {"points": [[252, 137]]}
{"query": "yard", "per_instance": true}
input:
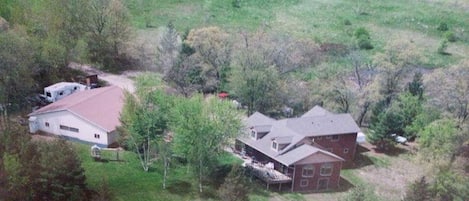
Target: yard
{"points": [[388, 174]]}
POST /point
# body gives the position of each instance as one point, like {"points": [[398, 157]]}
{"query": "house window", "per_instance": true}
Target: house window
{"points": [[308, 171], [326, 169], [96, 136], [274, 145], [47, 124], [335, 138], [253, 134], [62, 127], [345, 150], [323, 184], [304, 183], [328, 137]]}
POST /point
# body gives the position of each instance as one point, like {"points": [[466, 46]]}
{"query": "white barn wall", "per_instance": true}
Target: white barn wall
{"points": [[66, 118]]}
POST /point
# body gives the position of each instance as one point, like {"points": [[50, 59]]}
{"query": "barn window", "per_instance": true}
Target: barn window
{"points": [[308, 171], [47, 124], [76, 130], [326, 169], [96, 136]]}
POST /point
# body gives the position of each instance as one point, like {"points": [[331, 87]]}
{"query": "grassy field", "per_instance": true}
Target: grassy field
{"points": [[128, 181], [324, 21]]}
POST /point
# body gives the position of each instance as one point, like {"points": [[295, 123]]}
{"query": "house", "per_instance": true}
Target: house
{"points": [[89, 116], [309, 150]]}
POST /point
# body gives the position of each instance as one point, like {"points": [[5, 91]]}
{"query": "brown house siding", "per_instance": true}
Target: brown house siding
{"points": [[345, 141], [333, 179]]}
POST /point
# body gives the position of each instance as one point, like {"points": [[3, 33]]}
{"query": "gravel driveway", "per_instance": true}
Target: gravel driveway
{"points": [[123, 80]]}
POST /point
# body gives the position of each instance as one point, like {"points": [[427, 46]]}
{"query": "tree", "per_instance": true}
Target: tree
{"points": [[186, 75], [109, 29], [213, 47], [201, 130], [16, 59], [393, 66], [440, 140], [449, 185], [60, 175], [166, 152], [144, 117], [168, 48], [448, 89], [234, 188], [386, 123], [256, 84], [419, 190]]}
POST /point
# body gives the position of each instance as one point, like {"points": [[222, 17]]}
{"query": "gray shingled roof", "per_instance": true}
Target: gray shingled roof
{"points": [[316, 122], [302, 152], [316, 111], [332, 124], [262, 128]]}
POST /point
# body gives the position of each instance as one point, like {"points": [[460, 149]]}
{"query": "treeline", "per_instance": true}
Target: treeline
{"points": [[38, 39], [41, 169]]}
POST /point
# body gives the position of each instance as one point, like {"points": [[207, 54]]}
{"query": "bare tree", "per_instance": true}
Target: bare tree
{"points": [[449, 89]]}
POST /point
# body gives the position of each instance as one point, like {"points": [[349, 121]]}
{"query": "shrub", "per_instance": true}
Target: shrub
{"points": [[443, 27], [362, 33], [365, 44], [236, 3], [347, 22], [450, 36], [442, 47]]}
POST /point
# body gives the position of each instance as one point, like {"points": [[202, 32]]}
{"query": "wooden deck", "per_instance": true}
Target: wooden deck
{"points": [[270, 176]]}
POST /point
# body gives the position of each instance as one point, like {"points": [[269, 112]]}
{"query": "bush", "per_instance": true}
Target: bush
{"points": [[236, 3], [442, 47], [450, 36], [347, 22], [362, 33], [443, 27], [365, 44]]}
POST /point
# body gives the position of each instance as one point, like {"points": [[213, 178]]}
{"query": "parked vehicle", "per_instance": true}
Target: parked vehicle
{"points": [[60, 90], [399, 139]]}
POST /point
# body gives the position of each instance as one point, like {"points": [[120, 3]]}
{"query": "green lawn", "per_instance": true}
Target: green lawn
{"points": [[128, 181]]}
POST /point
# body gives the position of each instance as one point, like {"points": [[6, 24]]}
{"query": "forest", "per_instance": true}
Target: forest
{"points": [[398, 67]]}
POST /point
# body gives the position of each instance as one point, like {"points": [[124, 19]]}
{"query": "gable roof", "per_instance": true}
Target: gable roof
{"points": [[332, 124], [304, 151], [101, 106], [295, 131], [316, 111]]}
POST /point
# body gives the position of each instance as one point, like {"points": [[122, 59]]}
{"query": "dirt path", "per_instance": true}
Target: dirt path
{"points": [[123, 80]]}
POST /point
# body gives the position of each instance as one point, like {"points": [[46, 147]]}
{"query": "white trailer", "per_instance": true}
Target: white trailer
{"points": [[60, 90]]}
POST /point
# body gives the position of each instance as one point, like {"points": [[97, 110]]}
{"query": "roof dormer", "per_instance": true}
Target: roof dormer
{"points": [[279, 143], [258, 132]]}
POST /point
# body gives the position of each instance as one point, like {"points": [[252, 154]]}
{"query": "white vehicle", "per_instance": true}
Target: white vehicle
{"points": [[60, 90], [399, 139]]}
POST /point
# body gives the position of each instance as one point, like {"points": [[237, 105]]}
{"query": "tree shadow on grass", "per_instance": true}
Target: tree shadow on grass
{"points": [[180, 187]]}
